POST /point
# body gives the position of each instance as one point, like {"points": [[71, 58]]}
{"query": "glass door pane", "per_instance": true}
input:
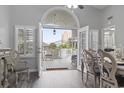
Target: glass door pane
{"points": [[21, 41]]}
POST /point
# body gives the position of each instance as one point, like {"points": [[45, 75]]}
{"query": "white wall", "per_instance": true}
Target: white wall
{"points": [[117, 11], [31, 15], [89, 16], [4, 27], [26, 15]]}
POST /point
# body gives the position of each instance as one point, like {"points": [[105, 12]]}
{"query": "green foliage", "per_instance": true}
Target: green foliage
{"points": [[64, 46], [52, 45]]}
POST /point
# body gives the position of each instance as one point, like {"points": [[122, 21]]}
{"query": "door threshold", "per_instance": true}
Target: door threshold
{"points": [[49, 69]]}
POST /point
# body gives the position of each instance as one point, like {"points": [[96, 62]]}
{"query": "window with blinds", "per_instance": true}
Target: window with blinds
{"points": [[109, 37], [24, 42], [83, 41]]}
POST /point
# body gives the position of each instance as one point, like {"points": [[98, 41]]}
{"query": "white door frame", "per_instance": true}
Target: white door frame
{"points": [[46, 14], [39, 50], [86, 28]]}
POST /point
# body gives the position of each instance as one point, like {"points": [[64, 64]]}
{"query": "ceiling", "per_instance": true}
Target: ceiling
{"points": [[99, 6]]}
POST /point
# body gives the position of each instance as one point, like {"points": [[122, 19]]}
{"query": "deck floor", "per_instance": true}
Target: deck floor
{"points": [[59, 63]]}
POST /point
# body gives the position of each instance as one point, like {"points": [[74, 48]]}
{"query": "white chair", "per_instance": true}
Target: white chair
{"points": [[16, 65], [91, 66], [1, 72], [108, 71]]}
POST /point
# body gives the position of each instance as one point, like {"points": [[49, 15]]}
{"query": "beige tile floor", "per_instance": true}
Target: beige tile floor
{"points": [[59, 79]]}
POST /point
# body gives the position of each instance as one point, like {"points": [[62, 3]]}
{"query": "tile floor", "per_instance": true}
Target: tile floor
{"points": [[59, 79]]}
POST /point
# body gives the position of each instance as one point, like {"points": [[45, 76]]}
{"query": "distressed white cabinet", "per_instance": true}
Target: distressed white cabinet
{"points": [[25, 40]]}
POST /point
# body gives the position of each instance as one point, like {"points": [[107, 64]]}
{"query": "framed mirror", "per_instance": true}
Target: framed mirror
{"points": [[109, 38]]}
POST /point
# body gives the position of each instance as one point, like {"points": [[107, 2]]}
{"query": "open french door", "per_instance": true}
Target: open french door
{"points": [[39, 50], [82, 43]]}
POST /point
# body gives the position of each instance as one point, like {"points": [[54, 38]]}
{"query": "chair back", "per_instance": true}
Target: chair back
{"points": [[88, 61], [12, 58], [1, 72], [108, 70]]}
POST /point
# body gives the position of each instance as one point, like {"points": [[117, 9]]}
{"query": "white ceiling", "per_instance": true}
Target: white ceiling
{"points": [[99, 6]]}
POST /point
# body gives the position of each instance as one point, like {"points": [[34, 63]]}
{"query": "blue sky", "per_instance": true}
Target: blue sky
{"points": [[48, 36]]}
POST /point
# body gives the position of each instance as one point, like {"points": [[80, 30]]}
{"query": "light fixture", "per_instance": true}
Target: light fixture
{"points": [[72, 6], [54, 31], [109, 19]]}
